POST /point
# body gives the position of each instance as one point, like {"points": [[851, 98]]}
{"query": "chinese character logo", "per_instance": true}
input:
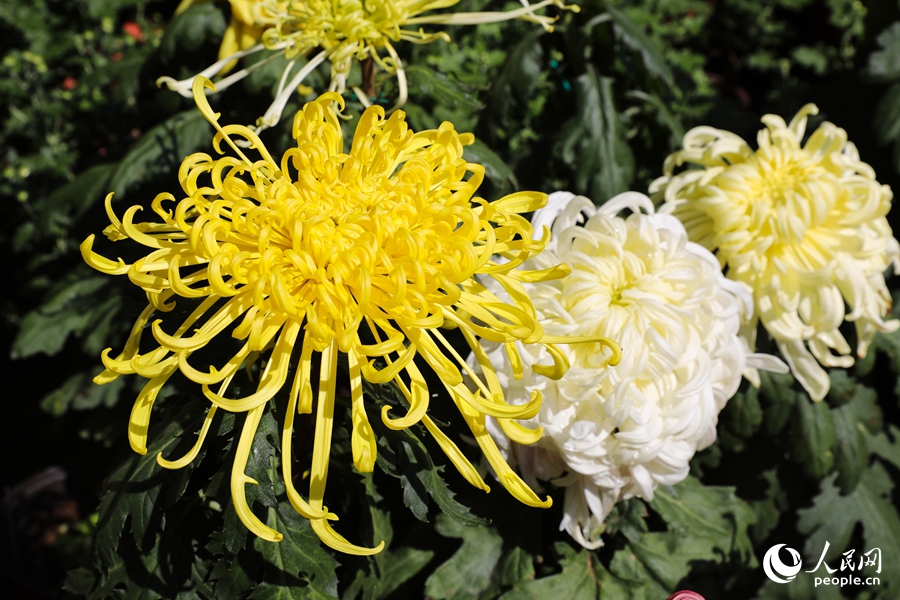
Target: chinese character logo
{"points": [[776, 570]]}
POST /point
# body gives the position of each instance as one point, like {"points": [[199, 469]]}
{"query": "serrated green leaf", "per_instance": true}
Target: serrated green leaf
{"points": [[467, 574], [70, 307], [577, 581], [813, 438], [851, 421], [702, 522], [133, 490], [832, 518], [298, 564], [883, 446], [402, 454]]}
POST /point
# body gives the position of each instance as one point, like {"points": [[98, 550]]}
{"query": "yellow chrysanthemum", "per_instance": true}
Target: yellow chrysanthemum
{"points": [[365, 253], [346, 30], [802, 225]]}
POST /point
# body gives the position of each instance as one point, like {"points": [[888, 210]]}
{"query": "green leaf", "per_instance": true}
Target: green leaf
{"points": [[429, 83], [663, 115], [72, 200], [851, 422], [833, 517], [888, 344], [497, 171], [260, 467], [402, 454], [71, 307], [519, 75], [133, 491], [768, 511], [740, 419], [885, 64], [161, 150], [515, 566], [298, 564], [703, 522], [881, 445], [781, 398], [886, 125], [577, 581], [813, 438], [398, 566], [467, 574], [812, 58], [635, 37], [79, 392], [202, 23], [593, 141]]}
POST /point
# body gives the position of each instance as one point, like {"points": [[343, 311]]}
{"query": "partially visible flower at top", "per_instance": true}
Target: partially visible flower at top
{"points": [[619, 432], [242, 32], [803, 225], [686, 595], [346, 30], [365, 253]]}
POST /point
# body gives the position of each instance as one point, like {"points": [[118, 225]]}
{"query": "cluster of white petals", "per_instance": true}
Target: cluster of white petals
{"points": [[803, 225], [618, 432]]}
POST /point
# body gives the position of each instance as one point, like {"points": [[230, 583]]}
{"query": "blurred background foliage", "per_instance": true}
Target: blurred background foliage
{"points": [[594, 108]]}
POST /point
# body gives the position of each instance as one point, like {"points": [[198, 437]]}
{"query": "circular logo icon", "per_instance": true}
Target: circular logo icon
{"points": [[776, 570]]}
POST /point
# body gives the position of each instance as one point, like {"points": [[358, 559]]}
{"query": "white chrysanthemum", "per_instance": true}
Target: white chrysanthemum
{"points": [[618, 432], [802, 225]]}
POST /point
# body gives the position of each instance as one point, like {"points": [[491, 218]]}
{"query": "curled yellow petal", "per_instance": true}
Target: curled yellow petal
{"points": [[139, 423], [362, 439], [239, 479], [195, 449], [322, 453]]}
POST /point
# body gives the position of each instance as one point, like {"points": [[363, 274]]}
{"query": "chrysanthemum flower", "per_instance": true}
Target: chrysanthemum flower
{"points": [[803, 225], [619, 432], [344, 31], [365, 253]]}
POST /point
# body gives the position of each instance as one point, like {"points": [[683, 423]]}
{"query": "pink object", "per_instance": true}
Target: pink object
{"points": [[686, 595]]}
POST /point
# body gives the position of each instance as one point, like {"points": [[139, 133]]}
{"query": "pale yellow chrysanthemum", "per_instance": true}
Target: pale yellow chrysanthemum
{"points": [[344, 31], [365, 253], [802, 225]]}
